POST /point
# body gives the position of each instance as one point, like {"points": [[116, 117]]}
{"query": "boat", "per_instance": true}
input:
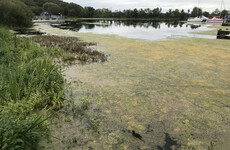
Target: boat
{"points": [[226, 21], [215, 19], [197, 19]]}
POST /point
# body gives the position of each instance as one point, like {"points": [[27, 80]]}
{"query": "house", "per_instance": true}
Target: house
{"points": [[47, 16]]}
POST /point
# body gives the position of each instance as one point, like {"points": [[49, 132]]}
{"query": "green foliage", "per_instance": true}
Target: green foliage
{"points": [[26, 71], [52, 8], [74, 10], [94, 124], [20, 131], [224, 13], [29, 82], [212, 145], [81, 107], [68, 57], [15, 13], [196, 12], [37, 10]]}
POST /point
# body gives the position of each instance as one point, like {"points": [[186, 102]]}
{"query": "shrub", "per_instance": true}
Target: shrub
{"points": [[19, 131], [29, 82], [15, 13], [27, 71]]}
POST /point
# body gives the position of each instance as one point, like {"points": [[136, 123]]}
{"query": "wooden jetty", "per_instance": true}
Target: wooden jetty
{"points": [[223, 34], [226, 23]]}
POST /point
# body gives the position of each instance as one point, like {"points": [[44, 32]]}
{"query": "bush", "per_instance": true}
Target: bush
{"points": [[29, 82], [27, 72], [15, 13], [19, 131]]}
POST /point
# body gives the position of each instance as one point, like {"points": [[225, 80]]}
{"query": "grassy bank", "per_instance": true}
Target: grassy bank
{"points": [[30, 84]]}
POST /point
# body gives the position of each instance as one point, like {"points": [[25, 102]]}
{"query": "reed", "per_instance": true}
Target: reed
{"points": [[29, 82]]}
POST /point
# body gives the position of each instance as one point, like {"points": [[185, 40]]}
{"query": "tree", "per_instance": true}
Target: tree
{"points": [[37, 10], [224, 13], [135, 13], [74, 10], [141, 13], [216, 12], [206, 14], [52, 8], [89, 12], [15, 13], [183, 15], [196, 12]]}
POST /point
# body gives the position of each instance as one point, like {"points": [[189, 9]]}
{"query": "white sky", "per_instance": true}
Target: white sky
{"points": [[206, 5]]}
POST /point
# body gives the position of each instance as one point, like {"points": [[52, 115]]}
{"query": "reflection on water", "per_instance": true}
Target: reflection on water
{"points": [[144, 29]]}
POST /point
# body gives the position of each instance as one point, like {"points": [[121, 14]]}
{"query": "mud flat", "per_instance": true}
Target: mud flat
{"points": [[174, 94]]}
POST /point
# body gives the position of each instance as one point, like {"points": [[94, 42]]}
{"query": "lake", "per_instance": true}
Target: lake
{"points": [[174, 93], [140, 30]]}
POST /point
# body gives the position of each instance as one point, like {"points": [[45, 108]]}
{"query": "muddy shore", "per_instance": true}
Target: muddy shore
{"points": [[174, 91]]}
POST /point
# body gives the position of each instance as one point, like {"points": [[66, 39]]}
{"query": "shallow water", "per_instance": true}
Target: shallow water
{"points": [[174, 91], [142, 30]]}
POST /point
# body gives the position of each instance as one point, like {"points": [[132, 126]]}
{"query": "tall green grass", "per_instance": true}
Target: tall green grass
{"points": [[29, 82]]}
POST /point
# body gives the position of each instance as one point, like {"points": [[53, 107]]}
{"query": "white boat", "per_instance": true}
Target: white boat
{"points": [[215, 20], [198, 19]]}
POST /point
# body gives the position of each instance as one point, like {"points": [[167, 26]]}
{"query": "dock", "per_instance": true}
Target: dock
{"points": [[223, 34], [226, 23]]}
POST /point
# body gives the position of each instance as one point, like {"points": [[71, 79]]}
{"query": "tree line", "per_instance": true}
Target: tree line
{"points": [[20, 12]]}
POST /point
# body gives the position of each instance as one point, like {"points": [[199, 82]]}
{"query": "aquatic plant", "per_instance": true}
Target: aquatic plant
{"points": [[68, 57], [68, 47], [94, 124]]}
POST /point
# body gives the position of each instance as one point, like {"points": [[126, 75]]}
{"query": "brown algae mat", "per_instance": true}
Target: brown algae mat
{"points": [[173, 93], [71, 48]]}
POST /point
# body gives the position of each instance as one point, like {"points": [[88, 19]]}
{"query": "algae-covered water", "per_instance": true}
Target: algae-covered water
{"points": [[174, 93], [141, 30]]}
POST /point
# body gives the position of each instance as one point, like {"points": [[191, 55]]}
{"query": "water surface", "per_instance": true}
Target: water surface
{"points": [[141, 30], [174, 93]]}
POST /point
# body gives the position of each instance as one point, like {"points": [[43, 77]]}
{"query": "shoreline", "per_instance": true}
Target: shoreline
{"points": [[149, 83]]}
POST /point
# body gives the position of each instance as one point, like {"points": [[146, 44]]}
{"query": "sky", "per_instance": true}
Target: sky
{"points": [[206, 5]]}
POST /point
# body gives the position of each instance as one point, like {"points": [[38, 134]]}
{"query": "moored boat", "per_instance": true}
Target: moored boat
{"points": [[215, 20], [198, 19]]}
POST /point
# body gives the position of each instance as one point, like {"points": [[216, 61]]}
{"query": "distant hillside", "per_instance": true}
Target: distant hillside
{"points": [[20, 12], [54, 7]]}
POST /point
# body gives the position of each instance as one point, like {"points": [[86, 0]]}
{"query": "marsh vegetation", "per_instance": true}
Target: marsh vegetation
{"points": [[170, 91], [30, 85], [71, 48]]}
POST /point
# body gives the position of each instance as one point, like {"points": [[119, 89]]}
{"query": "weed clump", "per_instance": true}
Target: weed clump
{"points": [[71, 48]]}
